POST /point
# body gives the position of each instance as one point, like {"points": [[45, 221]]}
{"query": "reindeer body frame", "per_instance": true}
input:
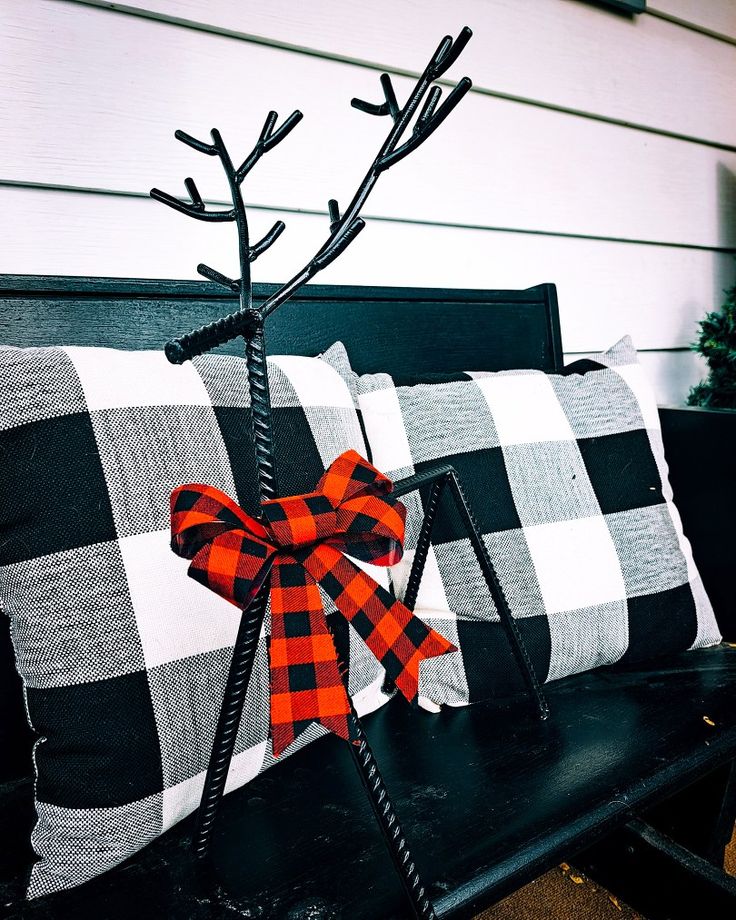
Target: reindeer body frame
{"points": [[248, 322]]}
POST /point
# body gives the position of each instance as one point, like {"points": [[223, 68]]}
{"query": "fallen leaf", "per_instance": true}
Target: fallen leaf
{"points": [[564, 867], [576, 879], [614, 900], [708, 721]]}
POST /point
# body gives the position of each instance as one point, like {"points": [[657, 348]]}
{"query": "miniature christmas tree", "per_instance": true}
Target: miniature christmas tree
{"points": [[717, 344]]}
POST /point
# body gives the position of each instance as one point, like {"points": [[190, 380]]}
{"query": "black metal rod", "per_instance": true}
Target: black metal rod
{"points": [[251, 621], [423, 543], [502, 605], [261, 415], [446, 475], [384, 812], [388, 821], [228, 722]]}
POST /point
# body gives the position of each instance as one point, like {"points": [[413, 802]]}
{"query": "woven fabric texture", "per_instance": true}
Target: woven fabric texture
{"points": [[566, 475], [123, 657]]}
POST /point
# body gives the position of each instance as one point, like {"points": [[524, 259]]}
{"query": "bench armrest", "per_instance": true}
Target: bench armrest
{"points": [[700, 446]]}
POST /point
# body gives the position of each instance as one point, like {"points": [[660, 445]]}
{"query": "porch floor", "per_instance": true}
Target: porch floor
{"points": [[564, 893]]}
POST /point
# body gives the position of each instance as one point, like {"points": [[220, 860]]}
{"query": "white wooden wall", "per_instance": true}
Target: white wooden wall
{"points": [[595, 150]]}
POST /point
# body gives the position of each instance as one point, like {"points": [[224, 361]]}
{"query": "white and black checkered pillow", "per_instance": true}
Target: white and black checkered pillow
{"points": [[123, 657], [567, 477]]}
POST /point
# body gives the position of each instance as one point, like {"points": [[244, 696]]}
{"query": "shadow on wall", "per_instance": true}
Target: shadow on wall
{"points": [[724, 269], [726, 198]]}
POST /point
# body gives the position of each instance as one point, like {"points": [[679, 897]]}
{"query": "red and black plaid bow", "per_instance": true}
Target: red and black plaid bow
{"points": [[301, 540]]}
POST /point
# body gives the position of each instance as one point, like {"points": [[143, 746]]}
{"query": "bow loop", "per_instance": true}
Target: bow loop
{"points": [[371, 529], [351, 475], [301, 541], [200, 513], [233, 565]]}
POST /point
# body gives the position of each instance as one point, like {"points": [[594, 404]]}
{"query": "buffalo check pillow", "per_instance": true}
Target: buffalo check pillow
{"points": [[122, 656], [567, 477]]}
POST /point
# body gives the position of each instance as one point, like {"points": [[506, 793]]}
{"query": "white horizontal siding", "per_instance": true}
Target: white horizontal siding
{"points": [[635, 224], [535, 169], [561, 52], [605, 289], [92, 234]]}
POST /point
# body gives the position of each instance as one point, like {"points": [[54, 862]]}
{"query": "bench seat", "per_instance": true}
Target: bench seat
{"points": [[489, 796]]}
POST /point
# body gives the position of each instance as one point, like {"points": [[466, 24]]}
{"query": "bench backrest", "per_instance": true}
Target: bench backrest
{"points": [[403, 331]]}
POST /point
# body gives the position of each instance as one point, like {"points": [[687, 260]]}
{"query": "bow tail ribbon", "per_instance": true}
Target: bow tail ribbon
{"points": [[306, 685], [397, 638]]}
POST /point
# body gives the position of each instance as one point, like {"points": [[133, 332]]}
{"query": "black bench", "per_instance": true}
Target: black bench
{"points": [[625, 777]]}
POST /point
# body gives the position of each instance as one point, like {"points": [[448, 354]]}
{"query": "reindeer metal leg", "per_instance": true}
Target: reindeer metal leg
{"points": [[439, 478], [424, 540], [388, 821], [251, 622], [228, 722]]}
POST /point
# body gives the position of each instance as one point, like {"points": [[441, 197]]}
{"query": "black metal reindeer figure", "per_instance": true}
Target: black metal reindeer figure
{"points": [[248, 322]]}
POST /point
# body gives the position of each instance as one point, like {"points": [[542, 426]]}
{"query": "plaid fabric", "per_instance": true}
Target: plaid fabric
{"points": [[568, 480], [302, 539], [123, 659]]}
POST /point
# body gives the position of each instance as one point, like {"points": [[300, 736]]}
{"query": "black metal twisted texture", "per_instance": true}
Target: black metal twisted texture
{"points": [[262, 418], [388, 820], [228, 721], [186, 347], [251, 620], [497, 593], [383, 808], [423, 543]]}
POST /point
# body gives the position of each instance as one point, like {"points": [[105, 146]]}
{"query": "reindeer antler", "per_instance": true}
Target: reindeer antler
{"points": [[343, 228], [267, 140]]}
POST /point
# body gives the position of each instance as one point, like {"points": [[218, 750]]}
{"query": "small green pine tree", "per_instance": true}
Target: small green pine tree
{"points": [[717, 344]]}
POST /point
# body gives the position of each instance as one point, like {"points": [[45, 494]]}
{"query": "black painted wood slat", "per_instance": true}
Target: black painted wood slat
{"points": [[402, 331]]}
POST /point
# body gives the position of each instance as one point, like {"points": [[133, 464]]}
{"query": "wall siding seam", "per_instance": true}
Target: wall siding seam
{"points": [[380, 218], [676, 349], [690, 26]]}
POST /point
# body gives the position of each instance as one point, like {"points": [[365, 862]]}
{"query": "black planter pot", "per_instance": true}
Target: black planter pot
{"points": [[700, 446]]}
